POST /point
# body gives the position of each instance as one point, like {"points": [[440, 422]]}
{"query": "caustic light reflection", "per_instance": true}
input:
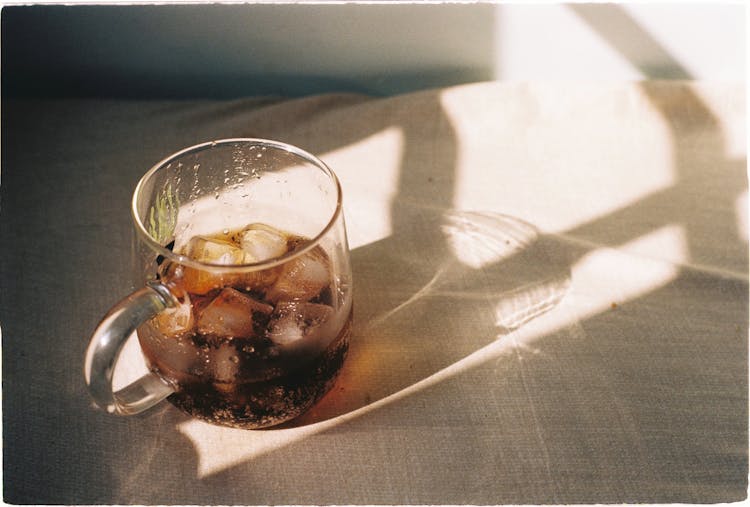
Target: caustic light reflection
{"points": [[540, 278], [481, 239]]}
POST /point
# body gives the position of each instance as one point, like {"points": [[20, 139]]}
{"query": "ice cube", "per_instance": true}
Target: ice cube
{"points": [[262, 242], [225, 363], [215, 251], [175, 321], [230, 314], [302, 278], [211, 251], [294, 320]]}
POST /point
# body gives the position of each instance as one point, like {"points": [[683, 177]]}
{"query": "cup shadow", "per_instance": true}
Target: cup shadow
{"points": [[420, 310]]}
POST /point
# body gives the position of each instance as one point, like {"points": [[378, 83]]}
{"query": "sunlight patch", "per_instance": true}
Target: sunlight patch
{"points": [[608, 277], [368, 194], [740, 209]]}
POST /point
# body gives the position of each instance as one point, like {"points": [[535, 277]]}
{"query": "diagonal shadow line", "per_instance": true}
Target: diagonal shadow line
{"points": [[616, 27], [685, 114]]}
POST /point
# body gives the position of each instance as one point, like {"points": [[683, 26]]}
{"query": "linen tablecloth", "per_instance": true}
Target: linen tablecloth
{"points": [[551, 299]]}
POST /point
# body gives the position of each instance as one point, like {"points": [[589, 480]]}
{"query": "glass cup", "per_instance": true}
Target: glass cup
{"points": [[245, 316]]}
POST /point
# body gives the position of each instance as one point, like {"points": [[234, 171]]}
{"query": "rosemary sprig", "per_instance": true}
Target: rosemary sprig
{"points": [[163, 215]]}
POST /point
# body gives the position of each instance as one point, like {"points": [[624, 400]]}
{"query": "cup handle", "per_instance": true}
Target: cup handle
{"points": [[105, 347]]}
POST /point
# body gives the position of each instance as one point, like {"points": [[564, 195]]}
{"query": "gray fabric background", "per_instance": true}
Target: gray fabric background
{"points": [[641, 401]]}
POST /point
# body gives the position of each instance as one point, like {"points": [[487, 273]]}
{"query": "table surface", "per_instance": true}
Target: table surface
{"points": [[551, 300]]}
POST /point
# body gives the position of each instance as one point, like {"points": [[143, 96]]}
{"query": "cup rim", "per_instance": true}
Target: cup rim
{"points": [[224, 268]]}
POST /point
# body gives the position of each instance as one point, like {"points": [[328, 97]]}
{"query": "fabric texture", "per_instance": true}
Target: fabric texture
{"points": [[551, 300]]}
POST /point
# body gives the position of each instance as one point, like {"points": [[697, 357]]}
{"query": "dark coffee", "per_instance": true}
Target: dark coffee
{"points": [[249, 348]]}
